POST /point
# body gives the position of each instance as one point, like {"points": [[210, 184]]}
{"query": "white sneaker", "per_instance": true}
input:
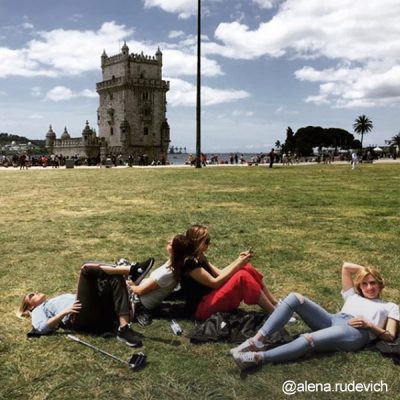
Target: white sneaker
{"points": [[247, 360], [247, 345]]}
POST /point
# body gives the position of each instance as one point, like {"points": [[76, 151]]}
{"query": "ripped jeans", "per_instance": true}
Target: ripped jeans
{"points": [[331, 332]]}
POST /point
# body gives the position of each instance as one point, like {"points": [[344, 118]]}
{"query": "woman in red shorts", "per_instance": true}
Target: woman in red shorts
{"points": [[209, 290]]}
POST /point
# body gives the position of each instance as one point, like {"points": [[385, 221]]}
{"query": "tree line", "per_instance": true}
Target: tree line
{"points": [[306, 139]]}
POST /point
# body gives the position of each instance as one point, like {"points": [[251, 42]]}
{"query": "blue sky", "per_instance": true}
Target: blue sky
{"points": [[267, 65]]}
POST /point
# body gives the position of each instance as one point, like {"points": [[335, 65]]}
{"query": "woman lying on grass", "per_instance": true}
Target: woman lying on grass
{"points": [[364, 317], [209, 290], [100, 303], [101, 300]]}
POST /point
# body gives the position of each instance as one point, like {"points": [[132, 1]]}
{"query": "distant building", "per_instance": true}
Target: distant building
{"points": [[131, 115], [88, 145]]}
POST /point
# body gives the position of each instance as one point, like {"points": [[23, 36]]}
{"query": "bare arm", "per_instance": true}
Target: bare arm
{"points": [[147, 286], [348, 270], [206, 279], [53, 322], [216, 271], [108, 269], [388, 334]]}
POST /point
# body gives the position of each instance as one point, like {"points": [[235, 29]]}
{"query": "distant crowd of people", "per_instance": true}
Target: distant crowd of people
{"points": [[25, 160]]}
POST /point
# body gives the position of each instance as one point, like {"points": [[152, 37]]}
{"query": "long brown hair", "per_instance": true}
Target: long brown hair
{"points": [[198, 236], [181, 249]]}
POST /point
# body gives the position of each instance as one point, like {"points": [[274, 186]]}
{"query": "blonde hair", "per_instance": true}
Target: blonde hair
{"points": [[24, 311], [362, 273], [198, 236]]}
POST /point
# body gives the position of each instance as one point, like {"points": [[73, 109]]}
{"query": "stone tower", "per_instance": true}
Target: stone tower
{"points": [[50, 139], [132, 112]]}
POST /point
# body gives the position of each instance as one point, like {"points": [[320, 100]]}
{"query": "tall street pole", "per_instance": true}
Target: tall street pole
{"points": [[198, 92]]}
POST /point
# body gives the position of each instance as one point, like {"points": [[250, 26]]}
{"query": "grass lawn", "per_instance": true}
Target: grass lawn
{"points": [[301, 221]]}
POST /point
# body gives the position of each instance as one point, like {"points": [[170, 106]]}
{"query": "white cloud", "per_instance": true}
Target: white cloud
{"points": [[176, 34], [267, 4], [362, 38], [3, 92], [177, 62], [27, 25], [242, 113], [349, 87], [62, 52], [184, 8], [183, 93], [62, 93], [71, 52], [35, 116]]}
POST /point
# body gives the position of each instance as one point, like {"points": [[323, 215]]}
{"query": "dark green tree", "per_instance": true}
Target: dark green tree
{"points": [[290, 141]]}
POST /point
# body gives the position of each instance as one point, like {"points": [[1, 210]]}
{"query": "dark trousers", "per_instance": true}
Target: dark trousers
{"points": [[103, 297]]}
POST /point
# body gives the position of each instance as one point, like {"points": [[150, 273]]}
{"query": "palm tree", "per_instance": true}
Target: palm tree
{"points": [[395, 141], [362, 125]]}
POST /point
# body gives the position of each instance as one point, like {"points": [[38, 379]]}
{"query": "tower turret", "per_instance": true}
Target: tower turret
{"points": [[159, 56], [103, 57], [65, 135], [50, 139], [125, 49]]}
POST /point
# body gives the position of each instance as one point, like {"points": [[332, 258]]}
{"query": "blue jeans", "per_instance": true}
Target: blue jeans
{"points": [[331, 332]]}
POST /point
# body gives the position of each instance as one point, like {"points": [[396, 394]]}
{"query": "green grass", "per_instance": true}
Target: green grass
{"points": [[302, 223]]}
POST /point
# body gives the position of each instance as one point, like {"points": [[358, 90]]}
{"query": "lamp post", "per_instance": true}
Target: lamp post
{"points": [[198, 89]]}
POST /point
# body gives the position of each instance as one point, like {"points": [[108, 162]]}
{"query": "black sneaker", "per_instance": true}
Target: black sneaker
{"points": [[126, 334], [139, 270]]}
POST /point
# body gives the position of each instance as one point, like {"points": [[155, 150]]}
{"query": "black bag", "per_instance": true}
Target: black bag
{"points": [[234, 327]]}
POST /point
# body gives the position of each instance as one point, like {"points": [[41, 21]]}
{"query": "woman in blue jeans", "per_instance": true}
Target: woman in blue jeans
{"points": [[363, 317]]}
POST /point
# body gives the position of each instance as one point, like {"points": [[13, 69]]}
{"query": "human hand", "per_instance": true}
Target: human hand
{"points": [[74, 309], [130, 285], [245, 255], [90, 266], [359, 323]]}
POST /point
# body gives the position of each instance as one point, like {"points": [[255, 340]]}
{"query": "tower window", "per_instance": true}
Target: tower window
{"points": [[145, 131], [111, 131]]}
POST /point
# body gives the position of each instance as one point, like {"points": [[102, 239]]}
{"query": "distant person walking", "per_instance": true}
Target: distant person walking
{"points": [[354, 160], [271, 156], [22, 161]]}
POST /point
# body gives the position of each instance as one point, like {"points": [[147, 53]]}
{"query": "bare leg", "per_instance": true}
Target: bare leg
{"points": [[124, 319], [265, 303], [272, 299]]}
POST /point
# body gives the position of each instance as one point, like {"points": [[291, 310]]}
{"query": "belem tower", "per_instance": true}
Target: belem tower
{"points": [[131, 116]]}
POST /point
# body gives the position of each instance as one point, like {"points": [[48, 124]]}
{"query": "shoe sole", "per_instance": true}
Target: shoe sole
{"points": [[145, 272], [244, 366], [129, 343]]}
